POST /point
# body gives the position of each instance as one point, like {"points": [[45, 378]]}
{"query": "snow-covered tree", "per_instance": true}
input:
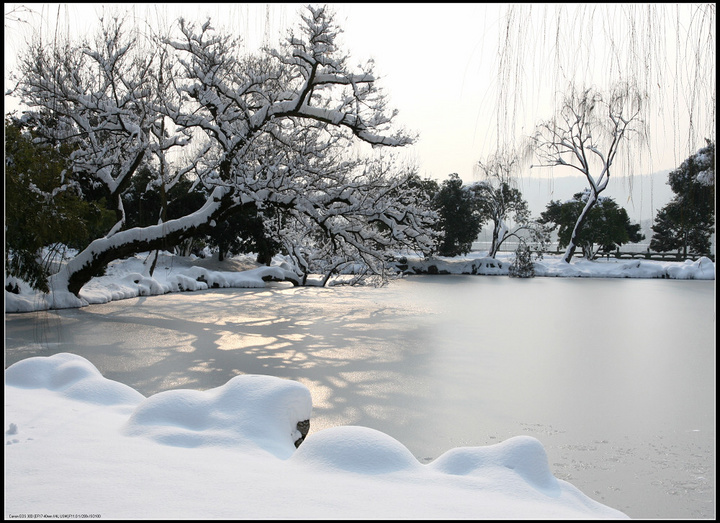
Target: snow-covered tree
{"points": [[586, 135], [687, 222], [44, 215], [503, 205], [271, 130], [522, 265]]}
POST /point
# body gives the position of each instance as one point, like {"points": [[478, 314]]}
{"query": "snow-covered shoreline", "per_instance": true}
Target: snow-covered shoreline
{"points": [[130, 278], [79, 445]]}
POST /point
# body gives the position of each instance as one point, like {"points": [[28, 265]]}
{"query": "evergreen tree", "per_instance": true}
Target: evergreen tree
{"points": [[244, 232], [459, 220], [44, 210], [687, 222], [606, 227], [141, 203], [238, 233]]}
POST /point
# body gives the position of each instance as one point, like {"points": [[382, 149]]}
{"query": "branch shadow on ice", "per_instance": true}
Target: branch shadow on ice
{"points": [[350, 359], [252, 412]]}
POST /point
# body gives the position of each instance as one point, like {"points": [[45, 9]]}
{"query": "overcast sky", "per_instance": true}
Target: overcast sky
{"points": [[437, 62]]}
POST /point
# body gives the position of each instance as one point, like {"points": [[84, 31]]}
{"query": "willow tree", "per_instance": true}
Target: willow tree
{"points": [[666, 52], [586, 135], [501, 203]]}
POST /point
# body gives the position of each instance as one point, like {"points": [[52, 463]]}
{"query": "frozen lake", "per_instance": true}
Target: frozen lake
{"points": [[616, 377]]}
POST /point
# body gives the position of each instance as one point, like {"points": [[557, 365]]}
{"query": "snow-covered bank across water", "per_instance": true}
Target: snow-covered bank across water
{"points": [[552, 265], [130, 278], [82, 446]]}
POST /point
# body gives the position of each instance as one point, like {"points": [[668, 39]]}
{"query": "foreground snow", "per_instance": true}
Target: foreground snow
{"points": [[81, 445], [130, 278]]}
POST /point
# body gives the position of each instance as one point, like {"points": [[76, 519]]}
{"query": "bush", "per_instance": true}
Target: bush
{"points": [[522, 266]]}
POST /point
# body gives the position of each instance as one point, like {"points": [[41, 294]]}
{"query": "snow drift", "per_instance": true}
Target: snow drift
{"points": [[78, 443]]}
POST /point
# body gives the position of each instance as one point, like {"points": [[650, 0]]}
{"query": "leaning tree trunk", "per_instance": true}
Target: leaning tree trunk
{"points": [[92, 261], [570, 251], [500, 234]]}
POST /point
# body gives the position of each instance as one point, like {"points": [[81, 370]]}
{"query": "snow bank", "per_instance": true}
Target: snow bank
{"points": [[77, 443], [71, 375], [440, 265], [249, 410], [356, 449], [130, 278], [553, 266], [29, 300], [702, 269]]}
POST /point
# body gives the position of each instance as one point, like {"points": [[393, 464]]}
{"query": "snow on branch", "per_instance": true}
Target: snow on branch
{"points": [[272, 128]]}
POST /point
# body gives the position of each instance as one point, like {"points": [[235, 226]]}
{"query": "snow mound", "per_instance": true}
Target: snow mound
{"points": [[642, 269], [524, 455], [32, 300], [182, 282], [255, 417], [489, 267], [249, 410], [104, 289], [484, 266], [22, 303], [146, 286], [355, 449], [701, 269], [73, 376], [251, 278]]}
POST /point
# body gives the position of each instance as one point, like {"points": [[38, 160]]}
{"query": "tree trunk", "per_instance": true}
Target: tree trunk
{"points": [[154, 262], [500, 231], [494, 245], [263, 258], [570, 251], [92, 261]]}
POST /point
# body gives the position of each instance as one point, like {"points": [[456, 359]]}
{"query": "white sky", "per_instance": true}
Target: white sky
{"points": [[437, 62]]}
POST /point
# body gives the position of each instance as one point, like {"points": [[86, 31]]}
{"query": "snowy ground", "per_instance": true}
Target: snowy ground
{"points": [[79, 445]]}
